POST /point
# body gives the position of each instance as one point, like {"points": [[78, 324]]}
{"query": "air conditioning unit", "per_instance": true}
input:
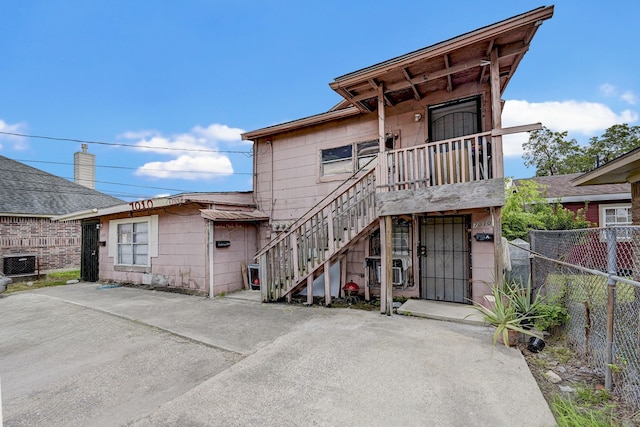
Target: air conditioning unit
{"points": [[18, 264]]}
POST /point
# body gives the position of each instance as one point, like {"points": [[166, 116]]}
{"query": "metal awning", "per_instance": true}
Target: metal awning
{"points": [[233, 216]]}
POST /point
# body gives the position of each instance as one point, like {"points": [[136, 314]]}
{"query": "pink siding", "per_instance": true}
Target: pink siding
{"points": [[227, 261]]}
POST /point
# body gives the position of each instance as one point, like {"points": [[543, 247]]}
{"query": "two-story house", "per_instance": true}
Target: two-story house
{"points": [[399, 187]]}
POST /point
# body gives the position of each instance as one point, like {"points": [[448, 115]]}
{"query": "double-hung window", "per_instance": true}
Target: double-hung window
{"points": [[133, 243]]}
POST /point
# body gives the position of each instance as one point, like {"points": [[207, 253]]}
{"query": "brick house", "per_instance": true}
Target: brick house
{"points": [[29, 239]]}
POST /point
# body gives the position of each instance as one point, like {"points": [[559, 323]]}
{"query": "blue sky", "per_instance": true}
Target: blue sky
{"points": [[195, 74]]}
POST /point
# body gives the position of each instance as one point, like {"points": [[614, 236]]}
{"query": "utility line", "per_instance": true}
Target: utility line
{"points": [[117, 144], [132, 168]]}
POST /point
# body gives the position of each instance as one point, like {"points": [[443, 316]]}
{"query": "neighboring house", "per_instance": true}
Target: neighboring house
{"points": [[399, 187], [624, 169], [29, 198], [608, 204], [196, 242]]}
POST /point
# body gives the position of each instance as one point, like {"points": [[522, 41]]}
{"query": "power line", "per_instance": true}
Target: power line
{"points": [[117, 144], [132, 168]]}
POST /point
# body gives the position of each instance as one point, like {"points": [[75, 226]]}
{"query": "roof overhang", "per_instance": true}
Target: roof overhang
{"points": [[625, 168], [233, 215], [416, 75], [296, 124], [446, 65], [158, 202]]}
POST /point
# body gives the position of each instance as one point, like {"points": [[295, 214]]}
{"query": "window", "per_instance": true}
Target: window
{"points": [[616, 215], [133, 241], [340, 160]]}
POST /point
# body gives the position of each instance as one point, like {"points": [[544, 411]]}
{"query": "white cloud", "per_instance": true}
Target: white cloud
{"points": [[576, 117], [629, 97], [17, 142], [194, 151], [188, 167], [610, 90]]}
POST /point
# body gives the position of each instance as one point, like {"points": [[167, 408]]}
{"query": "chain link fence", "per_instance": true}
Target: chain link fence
{"points": [[594, 273]]}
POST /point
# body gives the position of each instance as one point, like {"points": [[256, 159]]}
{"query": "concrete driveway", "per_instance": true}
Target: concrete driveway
{"points": [[81, 355]]}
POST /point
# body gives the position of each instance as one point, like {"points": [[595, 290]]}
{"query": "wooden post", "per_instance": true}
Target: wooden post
{"points": [[343, 274], [497, 245], [327, 283], [388, 261], [496, 114], [310, 289], [383, 265], [367, 296], [383, 176]]}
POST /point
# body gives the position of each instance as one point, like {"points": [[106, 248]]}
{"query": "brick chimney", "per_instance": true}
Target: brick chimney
{"points": [[84, 168]]}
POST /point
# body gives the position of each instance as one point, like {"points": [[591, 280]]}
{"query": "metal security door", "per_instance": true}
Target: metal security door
{"points": [[89, 257], [444, 259]]}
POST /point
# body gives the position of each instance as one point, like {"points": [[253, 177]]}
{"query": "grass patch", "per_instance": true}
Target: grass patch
{"points": [[51, 279], [571, 413]]}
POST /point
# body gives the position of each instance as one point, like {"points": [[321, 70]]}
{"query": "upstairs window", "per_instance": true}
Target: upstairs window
{"points": [[350, 158]]}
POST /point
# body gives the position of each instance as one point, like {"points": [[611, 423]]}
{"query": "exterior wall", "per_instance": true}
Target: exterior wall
{"points": [[592, 211], [227, 261], [181, 260], [287, 165], [56, 244]]}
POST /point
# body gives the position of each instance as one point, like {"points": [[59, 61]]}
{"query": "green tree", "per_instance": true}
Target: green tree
{"points": [[550, 152], [526, 208], [616, 141]]}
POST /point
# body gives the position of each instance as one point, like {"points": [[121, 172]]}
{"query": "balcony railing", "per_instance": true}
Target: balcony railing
{"points": [[453, 161]]}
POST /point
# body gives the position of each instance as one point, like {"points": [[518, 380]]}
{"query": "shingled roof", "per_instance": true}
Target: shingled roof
{"points": [[560, 187], [25, 191]]}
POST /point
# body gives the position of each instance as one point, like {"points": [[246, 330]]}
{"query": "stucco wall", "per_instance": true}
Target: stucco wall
{"points": [[227, 261], [182, 239]]}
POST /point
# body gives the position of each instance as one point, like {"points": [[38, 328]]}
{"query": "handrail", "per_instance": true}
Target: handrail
{"points": [[464, 159], [321, 204]]}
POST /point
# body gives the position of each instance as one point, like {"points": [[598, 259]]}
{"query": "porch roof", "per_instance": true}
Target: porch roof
{"points": [[625, 168], [233, 216]]}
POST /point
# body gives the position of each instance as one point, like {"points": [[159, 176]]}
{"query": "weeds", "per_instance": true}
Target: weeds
{"points": [[570, 413]]}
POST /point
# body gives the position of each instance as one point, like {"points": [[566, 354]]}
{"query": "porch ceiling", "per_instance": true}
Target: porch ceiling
{"points": [[443, 66]]}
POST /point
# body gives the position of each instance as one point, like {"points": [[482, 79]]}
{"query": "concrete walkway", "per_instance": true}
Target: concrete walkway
{"points": [[300, 366]]}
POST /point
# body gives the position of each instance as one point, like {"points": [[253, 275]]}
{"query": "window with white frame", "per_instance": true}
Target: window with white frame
{"points": [[616, 215], [133, 241]]}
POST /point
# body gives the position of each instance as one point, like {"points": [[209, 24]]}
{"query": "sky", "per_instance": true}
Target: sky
{"points": [[163, 89]]}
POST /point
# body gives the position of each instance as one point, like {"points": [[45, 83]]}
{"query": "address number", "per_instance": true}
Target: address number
{"points": [[141, 205]]}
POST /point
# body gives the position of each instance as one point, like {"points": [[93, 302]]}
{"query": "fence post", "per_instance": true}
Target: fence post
{"points": [[612, 269]]}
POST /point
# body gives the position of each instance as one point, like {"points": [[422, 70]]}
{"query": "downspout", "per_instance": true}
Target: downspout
{"points": [[211, 247]]}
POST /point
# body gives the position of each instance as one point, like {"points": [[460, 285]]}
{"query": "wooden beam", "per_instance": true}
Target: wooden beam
{"points": [[516, 129], [416, 94], [446, 66], [444, 197], [376, 87]]}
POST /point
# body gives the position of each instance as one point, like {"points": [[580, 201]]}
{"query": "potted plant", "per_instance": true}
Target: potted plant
{"points": [[502, 312]]}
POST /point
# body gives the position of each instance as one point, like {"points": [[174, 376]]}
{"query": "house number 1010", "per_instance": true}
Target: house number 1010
{"points": [[141, 204]]}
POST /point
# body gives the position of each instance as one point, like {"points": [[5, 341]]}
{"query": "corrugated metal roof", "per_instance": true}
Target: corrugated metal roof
{"points": [[233, 216]]}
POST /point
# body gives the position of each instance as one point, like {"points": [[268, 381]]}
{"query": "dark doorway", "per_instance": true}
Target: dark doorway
{"points": [[444, 258], [90, 251]]}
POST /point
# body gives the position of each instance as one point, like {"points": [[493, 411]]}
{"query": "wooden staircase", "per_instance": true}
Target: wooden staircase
{"points": [[318, 238]]}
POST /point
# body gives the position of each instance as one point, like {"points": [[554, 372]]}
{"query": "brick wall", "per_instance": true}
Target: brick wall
{"points": [[56, 244]]}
